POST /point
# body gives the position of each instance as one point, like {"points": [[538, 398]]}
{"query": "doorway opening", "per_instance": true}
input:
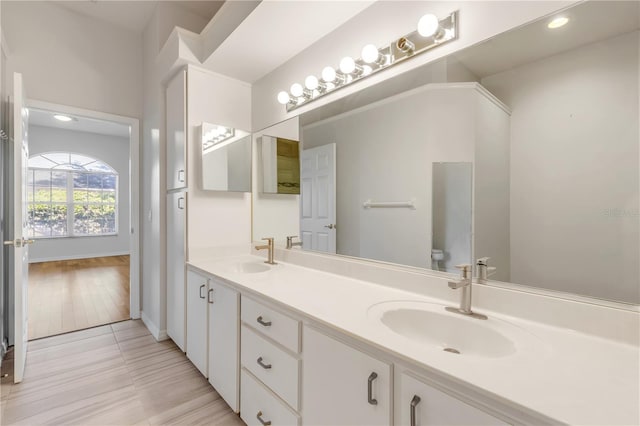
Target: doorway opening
{"points": [[82, 214]]}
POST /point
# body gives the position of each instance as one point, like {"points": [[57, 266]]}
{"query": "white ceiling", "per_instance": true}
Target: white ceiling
{"points": [[249, 54], [134, 15], [44, 118], [588, 23]]}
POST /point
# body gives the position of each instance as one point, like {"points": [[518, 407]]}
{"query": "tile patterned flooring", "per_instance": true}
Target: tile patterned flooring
{"points": [[110, 375]]}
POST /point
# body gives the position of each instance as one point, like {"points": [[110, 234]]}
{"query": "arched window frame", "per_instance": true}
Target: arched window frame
{"points": [[64, 182]]}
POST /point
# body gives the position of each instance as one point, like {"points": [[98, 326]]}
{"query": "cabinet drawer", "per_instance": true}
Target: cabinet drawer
{"points": [[272, 323], [258, 400], [272, 365], [430, 406]]}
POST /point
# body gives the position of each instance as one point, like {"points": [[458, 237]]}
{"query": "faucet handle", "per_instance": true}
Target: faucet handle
{"points": [[465, 269], [268, 239], [483, 261]]}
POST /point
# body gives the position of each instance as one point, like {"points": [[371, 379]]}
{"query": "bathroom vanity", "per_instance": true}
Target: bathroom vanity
{"points": [[316, 347]]}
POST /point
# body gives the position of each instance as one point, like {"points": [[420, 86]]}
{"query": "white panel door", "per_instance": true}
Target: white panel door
{"points": [[176, 274], [224, 342], [176, 100], [421, 405], [341, 385], [318, 198], [20, 242], [197, 320]]}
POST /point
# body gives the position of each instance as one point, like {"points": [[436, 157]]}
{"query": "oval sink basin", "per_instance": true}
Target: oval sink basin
{"points": [[430, 324], [249, 267]]}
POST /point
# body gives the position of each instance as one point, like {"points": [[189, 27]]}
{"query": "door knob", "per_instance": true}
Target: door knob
{"points": [[331, 226]]}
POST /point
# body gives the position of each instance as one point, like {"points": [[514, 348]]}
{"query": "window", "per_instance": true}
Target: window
{"points": [[71, 195]]}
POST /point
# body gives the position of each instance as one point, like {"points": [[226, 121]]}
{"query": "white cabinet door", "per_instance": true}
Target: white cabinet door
{"points": [[176, 286], [197, 320], [176, 101], [341, 385], [421, 405], [224, 323]]}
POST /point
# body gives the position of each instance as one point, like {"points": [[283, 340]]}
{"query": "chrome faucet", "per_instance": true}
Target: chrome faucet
{"points": [[464, 283], [268, 246], [483, 270], [291, 244]]}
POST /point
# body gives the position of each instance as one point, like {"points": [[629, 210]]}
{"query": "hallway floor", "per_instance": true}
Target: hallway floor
{"points": [[72, 295], [110, 375]]}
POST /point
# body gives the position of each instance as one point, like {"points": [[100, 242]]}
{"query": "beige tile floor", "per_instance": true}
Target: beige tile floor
{"points": [[111, 375]]}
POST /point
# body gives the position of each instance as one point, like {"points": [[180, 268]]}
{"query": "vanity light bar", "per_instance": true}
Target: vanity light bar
{"points": [[214, 135], [431, 33]]}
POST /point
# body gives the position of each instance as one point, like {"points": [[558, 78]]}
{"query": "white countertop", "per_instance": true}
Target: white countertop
{"points": [[565, 375]]}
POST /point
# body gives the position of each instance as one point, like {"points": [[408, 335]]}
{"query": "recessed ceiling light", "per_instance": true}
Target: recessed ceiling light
{"points": [[558, 22], [62, 117]]}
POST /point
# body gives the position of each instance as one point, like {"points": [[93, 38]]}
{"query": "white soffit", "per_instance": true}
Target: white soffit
{"points": [[44, 118], [275, 32]]}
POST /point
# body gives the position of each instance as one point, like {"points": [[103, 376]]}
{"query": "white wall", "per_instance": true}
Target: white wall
{"points": [[379, 24], [112, 150], [574, 169], [385, 152], [491, 231], [274, 215], [71, 59], [215, 218]]}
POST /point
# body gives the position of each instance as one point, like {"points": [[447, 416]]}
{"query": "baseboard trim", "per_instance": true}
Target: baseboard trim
{"points": [[78, 256], [157, 334]]}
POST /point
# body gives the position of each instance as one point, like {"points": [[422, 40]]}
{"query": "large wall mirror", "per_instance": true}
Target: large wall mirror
{"points": [[523, 149]]}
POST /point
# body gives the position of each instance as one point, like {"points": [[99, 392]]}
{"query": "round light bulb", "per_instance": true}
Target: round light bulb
{"points": [[297, 90], [428, 25], [347, 65], [370, 53], [283, 97], [558, 22], [328, 74], [311, 82]]}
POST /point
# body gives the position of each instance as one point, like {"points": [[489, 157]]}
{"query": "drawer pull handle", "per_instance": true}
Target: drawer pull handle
{"points": [[180, 203], [264, 422], [209, 294], [180, 175], [263, 322], [414, 402], [263, 365], [370, 397], [201, 288]]}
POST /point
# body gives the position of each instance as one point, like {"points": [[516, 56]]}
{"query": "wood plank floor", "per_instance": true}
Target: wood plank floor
{"points": [[73, 295], [110, 375]]}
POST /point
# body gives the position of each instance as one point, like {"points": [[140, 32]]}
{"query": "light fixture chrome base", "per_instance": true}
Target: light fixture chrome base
{"points": [[399, 50]]}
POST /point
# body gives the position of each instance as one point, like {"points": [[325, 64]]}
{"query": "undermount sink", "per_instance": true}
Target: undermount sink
{"points": [[430, 324], [250, 267]]}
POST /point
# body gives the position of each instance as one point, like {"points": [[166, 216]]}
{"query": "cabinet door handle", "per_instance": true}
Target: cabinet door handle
{"points": [[180, 203], [264, 422], [263, 365], [209, 294], [263, 322], [370, 397], [201, 288], [414, 402], [180, 175]]}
